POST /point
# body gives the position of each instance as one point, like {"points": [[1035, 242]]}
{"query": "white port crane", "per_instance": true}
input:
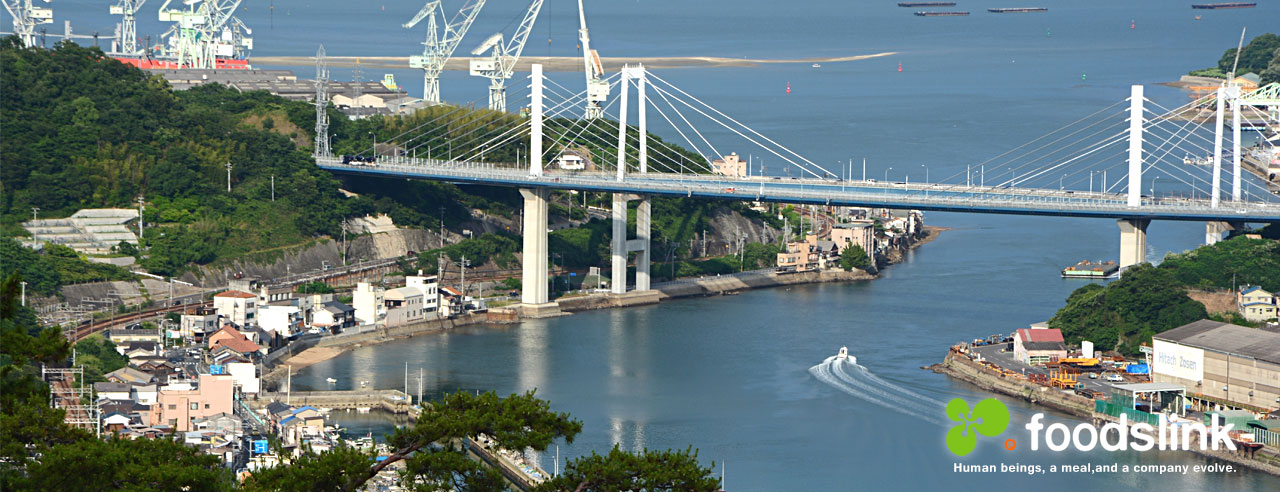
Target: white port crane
{"points": [[25, 19], [437, 50], [502, 62], [127, 43], [597, 88], [203, 33]]}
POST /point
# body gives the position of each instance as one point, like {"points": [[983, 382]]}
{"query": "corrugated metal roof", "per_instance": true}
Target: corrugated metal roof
{"points": [[1226, 337], [1040, 335]]}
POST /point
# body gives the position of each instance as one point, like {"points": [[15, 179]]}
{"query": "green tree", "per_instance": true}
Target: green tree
{"points": [[315, 288], [1145, 301], [854, 256], [1255, 56], [650, 470]]}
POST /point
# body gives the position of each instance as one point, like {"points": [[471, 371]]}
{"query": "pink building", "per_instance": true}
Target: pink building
{"points": [[731, 165], [179, 405], [861, 233]]}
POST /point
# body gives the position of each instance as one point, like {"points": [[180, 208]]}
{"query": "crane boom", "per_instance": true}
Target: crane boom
{"points": [[502, 62], [435, 51], [597, 88]]}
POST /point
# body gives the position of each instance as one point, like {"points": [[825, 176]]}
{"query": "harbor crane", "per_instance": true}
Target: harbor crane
{"points": [[200, 34], [436, 49], [597, 88], [502, 62], [127, 42], [25, 19]]}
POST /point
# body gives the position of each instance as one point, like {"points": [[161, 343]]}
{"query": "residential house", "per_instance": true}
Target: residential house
{"points": [[281, 318], [1036, 346], [158, 367], [134, 350], [225, 354], [129, 375], [861, 233], [730, 165], [368, 301], [335, 316], [222, 423], [196, 325], [107, 390], [179, 406], [238, 307], [144, 394], [428, 286], [244, 375], [800, 256], [1256, 304], [115, 422], [274, 293], [404, 306], [232, 338]]}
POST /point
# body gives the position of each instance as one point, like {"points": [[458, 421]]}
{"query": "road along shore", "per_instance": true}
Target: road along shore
{"points": [[560, 63], [331, 346]]}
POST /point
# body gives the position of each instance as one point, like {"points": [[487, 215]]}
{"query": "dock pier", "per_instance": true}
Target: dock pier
{"points": [[393, 401]]}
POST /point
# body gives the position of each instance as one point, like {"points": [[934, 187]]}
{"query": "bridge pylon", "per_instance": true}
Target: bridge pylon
{"points": [[1133, 241]]}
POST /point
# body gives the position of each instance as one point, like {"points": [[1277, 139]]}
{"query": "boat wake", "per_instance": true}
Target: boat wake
{"points": [[857, 381]]}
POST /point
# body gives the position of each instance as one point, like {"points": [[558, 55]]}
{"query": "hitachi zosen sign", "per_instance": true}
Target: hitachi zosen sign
{"points": [[1171, 359]]}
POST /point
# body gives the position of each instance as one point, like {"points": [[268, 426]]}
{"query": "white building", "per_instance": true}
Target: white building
{"points": [[282, 319], [429, 289], [368, 301], [203, 321], [238, 307], [244, 376], [731, 165]]}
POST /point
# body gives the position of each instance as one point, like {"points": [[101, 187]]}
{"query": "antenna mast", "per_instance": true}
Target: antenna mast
{"points": [[322, 104]]}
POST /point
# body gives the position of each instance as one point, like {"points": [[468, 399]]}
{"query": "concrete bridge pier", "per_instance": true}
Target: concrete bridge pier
{"points": [[1213, 231], [622, 246], [533, 297], [1133, 241]]}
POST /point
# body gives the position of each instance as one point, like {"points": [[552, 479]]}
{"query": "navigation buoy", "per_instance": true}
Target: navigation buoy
{"points": [[899, 66], [1133, 25], [1082, 76], [788, 87], [1048, 33]]}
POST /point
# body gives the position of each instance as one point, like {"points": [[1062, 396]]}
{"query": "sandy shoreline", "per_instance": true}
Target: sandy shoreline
{"points": [[561, 63]]}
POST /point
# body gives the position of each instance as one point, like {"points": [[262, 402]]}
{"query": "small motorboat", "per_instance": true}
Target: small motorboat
{"points": [[331, 380], [364, 383], [815, 65], [844, 355]]}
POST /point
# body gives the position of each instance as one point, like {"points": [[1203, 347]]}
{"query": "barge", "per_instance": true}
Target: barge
{"points": [[926, 4], [1217, 6], [941, 14], [1091, 269], [1017, 10]]}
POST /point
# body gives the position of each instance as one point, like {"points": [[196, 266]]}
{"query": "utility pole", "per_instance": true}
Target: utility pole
{"points": [[442, 230], [344, 241], [420, 384], [228, 176], [140, 220], [273, 187], [462, 266], [35, 214], [24, 292], [704, 243]]}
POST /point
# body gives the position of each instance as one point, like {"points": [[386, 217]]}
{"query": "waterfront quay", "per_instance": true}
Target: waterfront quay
{"points": [[1103, 389]]}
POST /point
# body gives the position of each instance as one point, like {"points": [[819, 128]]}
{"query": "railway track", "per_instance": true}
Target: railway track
{"points": [[87, 328]]}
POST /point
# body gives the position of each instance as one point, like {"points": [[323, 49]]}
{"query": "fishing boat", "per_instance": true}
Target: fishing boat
{"points": [[330, 380], [815, 65]]}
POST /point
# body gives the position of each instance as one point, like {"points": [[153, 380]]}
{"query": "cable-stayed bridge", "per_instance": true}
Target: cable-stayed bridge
{"points": [[1096, 166]]}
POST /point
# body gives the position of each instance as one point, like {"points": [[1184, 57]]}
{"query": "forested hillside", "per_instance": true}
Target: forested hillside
{"points": [[1149, 300]]}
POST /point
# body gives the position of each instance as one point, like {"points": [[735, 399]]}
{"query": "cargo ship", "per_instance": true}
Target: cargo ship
{"points": [[941, 14], [1216, 6], [1017, 10], [1091, 269], [926, 4], [148, 63]]}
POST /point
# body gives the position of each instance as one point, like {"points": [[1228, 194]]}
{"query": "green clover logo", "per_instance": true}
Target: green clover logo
{"points": [[989, 417]]}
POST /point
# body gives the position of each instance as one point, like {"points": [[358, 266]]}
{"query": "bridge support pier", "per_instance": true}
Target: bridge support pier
{"points": [[1133, 241], [1213, 231], [533, 296], [622, 246]]}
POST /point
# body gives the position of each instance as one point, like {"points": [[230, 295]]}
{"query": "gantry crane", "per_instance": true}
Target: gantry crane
{"points": [[499, 65], [597, 88], [437, 50], [25, 19], [128, 41]]}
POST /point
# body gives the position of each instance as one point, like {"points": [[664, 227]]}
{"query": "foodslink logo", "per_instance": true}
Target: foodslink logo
{"points": [[990, 418]]}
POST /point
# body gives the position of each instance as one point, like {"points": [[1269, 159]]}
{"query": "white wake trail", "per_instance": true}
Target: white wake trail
{"points": [[830, 373]]}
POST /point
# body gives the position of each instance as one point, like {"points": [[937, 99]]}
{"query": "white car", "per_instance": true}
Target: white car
{"points": [[1115, 378]]}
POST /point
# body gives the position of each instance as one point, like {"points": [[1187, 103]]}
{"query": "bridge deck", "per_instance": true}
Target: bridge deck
{"points": [[921, 196]]}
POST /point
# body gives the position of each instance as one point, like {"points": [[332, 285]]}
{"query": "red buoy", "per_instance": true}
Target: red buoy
{"points": [[788, 87], [899, 66], [1133, 25]]}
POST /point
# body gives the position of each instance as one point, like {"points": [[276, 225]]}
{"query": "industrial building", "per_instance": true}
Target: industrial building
{"points": [[1036, 345], [1220, 364], [355, 99]]}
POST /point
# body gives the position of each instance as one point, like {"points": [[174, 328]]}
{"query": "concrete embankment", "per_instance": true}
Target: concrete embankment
{"points": [[387, 400], [992, 378]]}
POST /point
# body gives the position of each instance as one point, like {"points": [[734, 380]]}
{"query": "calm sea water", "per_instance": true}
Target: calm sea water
{"points": [[731, 376]]}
